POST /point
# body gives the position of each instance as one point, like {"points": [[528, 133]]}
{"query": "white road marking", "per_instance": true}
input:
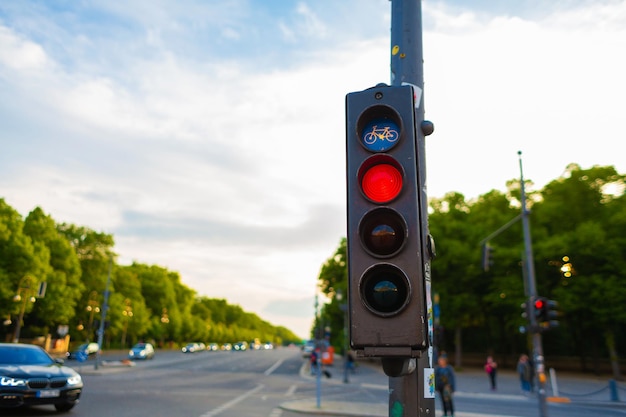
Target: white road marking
{"points": [[273, 367], [292, 389], [233, 402]]}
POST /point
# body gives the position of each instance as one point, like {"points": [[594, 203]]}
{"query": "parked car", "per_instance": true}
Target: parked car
{"points": [[83, 351], [141, 351], [29, 376]]}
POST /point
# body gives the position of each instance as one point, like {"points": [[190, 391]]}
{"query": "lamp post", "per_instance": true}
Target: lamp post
{"points": [[93, 307], [344, 308], [165, 319], [24, 294], [127, 313]]}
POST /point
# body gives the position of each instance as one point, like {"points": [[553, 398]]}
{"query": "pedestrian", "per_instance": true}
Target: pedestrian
{"points": [[491, 367], [350, 363], [445, 384], [313, 361], [524, 370]]}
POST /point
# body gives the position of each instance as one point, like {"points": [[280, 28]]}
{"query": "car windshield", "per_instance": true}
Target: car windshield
{"points": [[14, 355]]}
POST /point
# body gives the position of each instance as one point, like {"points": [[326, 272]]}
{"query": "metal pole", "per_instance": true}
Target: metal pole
{"points": [[532, 291], [103, 315], [410, 394], [318, 369]]}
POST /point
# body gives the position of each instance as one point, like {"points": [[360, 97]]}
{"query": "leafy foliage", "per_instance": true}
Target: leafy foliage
{"points": [[147, 302], [578, 219]]}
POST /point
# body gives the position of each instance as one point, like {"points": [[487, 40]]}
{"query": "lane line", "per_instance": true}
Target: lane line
{"points": [[273, 367], [233, 402], [292, 390]]}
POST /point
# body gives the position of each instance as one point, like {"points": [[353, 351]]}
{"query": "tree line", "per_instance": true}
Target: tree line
{"points": [[69, 265], [578, 229]]}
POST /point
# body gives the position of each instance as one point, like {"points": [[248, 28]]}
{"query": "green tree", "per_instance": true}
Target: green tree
{"points": [[62, 275]]}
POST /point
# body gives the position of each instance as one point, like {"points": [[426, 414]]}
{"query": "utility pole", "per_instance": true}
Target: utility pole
{"points": [[412, 394], [103, 316], [538, 360]]}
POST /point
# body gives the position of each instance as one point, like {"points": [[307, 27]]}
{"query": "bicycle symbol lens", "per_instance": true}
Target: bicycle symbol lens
{"points": [[380, 135]]}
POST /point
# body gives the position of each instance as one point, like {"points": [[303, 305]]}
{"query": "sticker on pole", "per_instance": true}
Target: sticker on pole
{"points": [[429, 383]]}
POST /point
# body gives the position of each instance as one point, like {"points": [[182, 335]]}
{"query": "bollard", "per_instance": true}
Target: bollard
{"points": [[553, 383], [613, 389]]}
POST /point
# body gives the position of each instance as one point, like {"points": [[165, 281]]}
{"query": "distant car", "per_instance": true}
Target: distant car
{"points": [[191, 348], [213, 346], [86, 350], [141, 351], [29, 376], [268, 345], [308, 348], [240, 346], [227, 346]]}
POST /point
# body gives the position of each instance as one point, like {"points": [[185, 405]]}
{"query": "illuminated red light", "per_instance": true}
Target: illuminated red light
{"points": [[539, 304], [382, 183]]}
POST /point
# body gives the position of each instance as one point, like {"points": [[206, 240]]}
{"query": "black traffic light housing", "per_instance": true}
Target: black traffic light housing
{"points": [[487, 258], [545, 313], [388, 315]]}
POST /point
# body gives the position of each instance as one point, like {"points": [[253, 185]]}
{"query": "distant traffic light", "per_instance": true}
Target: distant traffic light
{"points": [[551, 314], [385, 260], [546, 313], [487, 257], [539, 305]]}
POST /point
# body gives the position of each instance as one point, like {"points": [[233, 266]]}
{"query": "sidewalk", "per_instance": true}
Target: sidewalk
{"points": [[578, 389]]}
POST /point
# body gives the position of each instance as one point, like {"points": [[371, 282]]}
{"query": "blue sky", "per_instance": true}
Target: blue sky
{"points": [[208, 136]]}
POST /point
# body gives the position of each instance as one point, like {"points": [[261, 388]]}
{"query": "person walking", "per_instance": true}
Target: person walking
{"points": [[491, 368], [445, 383], [524, 370]]}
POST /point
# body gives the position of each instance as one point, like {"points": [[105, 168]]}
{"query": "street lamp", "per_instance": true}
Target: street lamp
{"points": [[93, 307], [127, 313], [165, 319], [24, 294]]}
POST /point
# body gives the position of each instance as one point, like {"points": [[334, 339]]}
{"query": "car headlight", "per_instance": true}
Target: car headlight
{"points": [[74, 380], [131, 353], [7, 381]]}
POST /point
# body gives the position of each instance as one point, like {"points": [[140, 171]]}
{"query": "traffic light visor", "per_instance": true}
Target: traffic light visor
{"points": [[381, 178], [383, 232], [379, 128], [385, 290]]}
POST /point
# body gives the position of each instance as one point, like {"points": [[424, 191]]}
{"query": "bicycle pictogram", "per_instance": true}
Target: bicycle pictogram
{"points": [[383, 133]]}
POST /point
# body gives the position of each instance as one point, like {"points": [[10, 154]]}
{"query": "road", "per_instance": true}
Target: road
{"points": [[274, 383]]}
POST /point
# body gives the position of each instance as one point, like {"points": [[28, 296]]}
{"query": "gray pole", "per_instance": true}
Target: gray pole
{"points": [[407, 393], [532, 292], [103, 315]]}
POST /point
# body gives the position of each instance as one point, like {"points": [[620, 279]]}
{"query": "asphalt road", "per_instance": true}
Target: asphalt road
{"points": [[274, 383]]}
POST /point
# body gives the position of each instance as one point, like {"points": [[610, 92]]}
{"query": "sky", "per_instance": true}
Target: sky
{"points": [[208, 136]]}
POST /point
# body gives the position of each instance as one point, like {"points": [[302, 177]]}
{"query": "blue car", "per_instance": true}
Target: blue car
{"points": [[141, 351]]}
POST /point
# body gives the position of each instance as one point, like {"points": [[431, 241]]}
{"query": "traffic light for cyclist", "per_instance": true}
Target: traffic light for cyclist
{"points": [[385, 251]]}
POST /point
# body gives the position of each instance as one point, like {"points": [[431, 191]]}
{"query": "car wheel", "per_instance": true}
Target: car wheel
{"points": [[64, 407]]}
